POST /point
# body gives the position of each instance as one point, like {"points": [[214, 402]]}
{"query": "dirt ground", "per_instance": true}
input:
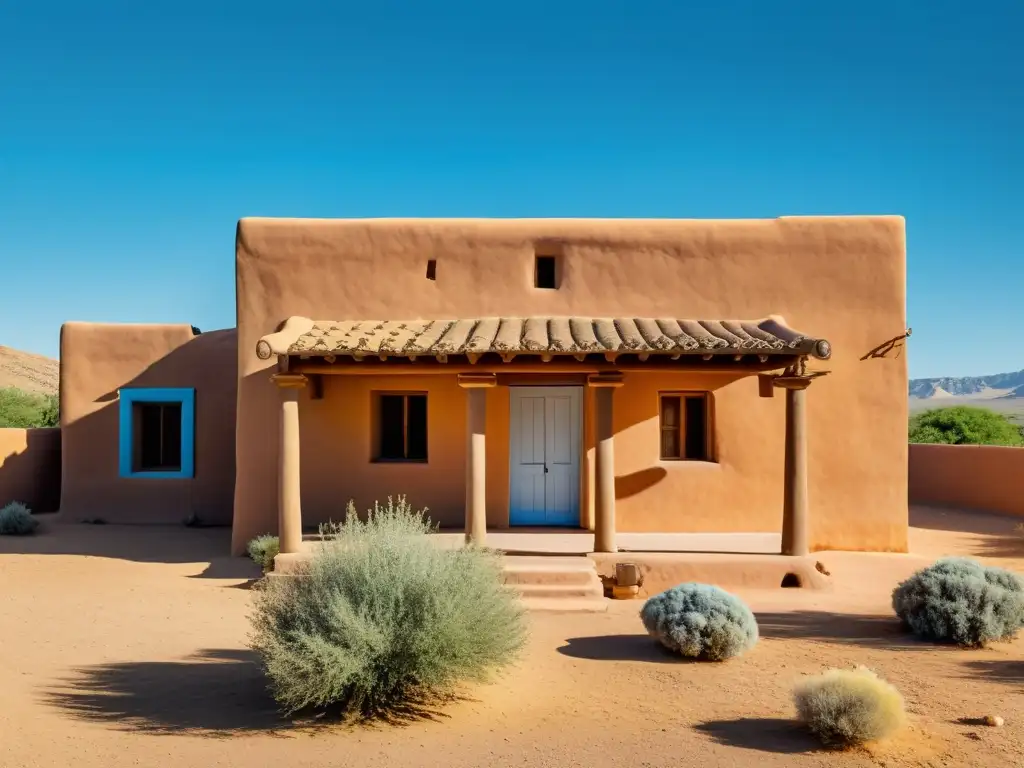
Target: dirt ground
{"points": [[126, 646]]}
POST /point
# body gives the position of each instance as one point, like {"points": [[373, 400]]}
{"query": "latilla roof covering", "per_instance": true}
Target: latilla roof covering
{"points": [[538, 335]]}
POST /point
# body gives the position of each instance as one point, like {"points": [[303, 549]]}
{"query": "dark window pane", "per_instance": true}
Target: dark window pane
{"points": [[392, 417], [171, 437], [149, 436], [417, 428], [545, 271], [696, 428]]}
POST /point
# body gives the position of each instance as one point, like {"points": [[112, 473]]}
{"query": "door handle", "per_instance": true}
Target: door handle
{"points": [[545, 469]]}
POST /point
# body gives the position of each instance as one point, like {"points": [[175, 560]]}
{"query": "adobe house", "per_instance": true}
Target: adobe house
{"points": [[654, 385]]}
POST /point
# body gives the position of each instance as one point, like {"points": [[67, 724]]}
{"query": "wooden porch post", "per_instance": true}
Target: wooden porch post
{"points": [[795, 505], [604, 464], [476, 387], [289, 504]]}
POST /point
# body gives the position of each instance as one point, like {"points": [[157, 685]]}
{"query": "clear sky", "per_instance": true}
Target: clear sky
{"points": [[134, 134]]}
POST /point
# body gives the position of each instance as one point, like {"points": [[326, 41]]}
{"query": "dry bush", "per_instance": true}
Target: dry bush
{"points": [[845, 707], [384, 619], [263, 549], [959, 600], [700, 621], [16, 520]]}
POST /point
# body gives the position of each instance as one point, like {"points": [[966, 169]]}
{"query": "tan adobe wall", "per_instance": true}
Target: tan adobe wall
{"points": [[982, 477], [30, 468], [98, 359], [652, 495], [841, 278]]}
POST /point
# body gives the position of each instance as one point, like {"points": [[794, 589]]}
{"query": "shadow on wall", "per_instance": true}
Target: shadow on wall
{"points": [[30, 468], [92, 486], [638, 482]]}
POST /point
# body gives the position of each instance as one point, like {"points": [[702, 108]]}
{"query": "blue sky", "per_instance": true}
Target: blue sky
{"points": [[134, 135]]}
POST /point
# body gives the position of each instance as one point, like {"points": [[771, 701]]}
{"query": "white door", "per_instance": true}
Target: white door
{"points": [[544, 481]]}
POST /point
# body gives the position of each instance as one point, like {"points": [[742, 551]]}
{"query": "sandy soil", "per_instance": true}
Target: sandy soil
{"points": [[126, 646], [28, 372]]}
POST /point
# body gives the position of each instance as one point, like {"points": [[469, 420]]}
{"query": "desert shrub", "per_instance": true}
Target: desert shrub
{"points": [[25, 410], [700, 621], [959, 600], [849, 706], [16, 520], [384, 619], [263, 549], [964, 425]]}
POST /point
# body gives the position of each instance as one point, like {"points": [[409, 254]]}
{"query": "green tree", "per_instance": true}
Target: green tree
{"points": [[49, 416], [25, 410], [964, 425]]}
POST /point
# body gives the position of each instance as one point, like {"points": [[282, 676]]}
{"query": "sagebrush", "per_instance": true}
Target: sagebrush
{"points": [[384, 619], [16, 520], [700, 621], [844, 707], [959, 600], [263, 549]]}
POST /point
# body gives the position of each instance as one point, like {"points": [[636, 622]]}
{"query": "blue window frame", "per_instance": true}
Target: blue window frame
{"points": [[157, 432]]}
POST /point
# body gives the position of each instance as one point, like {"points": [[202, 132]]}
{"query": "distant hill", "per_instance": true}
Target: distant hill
{"points": [[1000, 385], [28, 372]]}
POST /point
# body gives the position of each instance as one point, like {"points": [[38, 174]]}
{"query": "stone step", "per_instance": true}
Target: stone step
{"points": [[565, 604], [595, 589], [549, 570], [555, 584]]}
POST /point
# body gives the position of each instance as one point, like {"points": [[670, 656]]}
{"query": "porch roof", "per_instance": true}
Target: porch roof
{"points": [[539, 336]]}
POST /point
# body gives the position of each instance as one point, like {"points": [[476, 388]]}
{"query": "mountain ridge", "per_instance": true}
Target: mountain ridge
{"points": [[996, 386]]}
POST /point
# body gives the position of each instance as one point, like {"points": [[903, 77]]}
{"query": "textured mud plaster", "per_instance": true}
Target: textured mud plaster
{"points": [[98, 361], [838, 278]]}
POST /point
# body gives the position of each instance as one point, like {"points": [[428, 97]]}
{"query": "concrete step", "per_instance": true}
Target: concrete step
{"points": [[555, 584], [565, 604], [560, 590], [549, 570]]}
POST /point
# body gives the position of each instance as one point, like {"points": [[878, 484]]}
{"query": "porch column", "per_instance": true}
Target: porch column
{"points": [[476, 386], [289, 506], [604, 465], [795, 507]]}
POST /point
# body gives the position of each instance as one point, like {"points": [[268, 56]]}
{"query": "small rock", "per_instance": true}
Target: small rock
{"points": [[995, 721]]}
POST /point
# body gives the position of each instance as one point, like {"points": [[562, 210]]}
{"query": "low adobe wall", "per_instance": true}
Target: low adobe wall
{"points": [[983, 477], [30, 468]]}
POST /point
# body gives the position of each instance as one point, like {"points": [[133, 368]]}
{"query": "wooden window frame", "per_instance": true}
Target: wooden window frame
{"points": [[378, 425], [684, 395]]}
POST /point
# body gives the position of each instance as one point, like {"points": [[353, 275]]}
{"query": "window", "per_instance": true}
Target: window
{"points": [[157, 433], [431, 269], [156, 444], [544, 272], [402, 427], [684, 427]]}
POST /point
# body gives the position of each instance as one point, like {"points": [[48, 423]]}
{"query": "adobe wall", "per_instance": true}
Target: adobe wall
{"points": [[652, 496], [30, 468], [980, 477], [98, 359], [841, 278]]}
